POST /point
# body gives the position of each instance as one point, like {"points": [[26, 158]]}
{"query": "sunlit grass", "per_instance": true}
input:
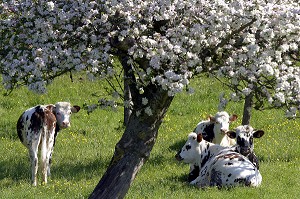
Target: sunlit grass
{"points": [[83, 151]]}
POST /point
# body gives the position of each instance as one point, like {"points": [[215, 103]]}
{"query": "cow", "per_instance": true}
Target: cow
{"points": [[244, 135], [219, 166], [214, 130], [37, 129]]}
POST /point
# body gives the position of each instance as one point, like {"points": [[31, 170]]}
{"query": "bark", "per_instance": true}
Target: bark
{"points": [[134, 148], [247, 109], [127, 92]]}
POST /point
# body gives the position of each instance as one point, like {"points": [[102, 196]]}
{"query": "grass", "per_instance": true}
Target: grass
{"points": [[83, 151]]}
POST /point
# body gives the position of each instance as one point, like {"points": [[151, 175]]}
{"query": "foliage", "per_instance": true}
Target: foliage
{"points": [[83, 151]]}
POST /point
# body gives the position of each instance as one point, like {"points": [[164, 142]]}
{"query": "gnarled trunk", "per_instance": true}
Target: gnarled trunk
{"points": [[247, 109], [134, 148]]}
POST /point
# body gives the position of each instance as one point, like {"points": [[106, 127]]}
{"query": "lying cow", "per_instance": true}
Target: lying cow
{"points": [[244, 141], [214, 130], [219, 166], [37, 129]]}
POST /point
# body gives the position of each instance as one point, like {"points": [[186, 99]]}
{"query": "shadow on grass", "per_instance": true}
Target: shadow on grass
{"points": [[177, 145], [183, 178], [18, 170], [15, 169], [79, 170]]}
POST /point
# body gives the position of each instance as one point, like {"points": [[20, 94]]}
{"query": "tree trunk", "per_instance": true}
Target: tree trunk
{"points": [[127, 94], [134, 148], [247, 109]]}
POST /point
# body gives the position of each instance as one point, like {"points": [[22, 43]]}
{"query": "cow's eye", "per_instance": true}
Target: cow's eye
{"points": [[188, 147]]}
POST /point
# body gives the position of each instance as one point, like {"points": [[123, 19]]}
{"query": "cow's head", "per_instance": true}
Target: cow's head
{"points": [[191, 150], [244, 137], [63, 111], [222, 121]]}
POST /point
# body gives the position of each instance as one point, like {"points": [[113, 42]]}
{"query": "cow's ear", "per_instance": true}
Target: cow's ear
{"points": [[199, 137], [233, 118], [75, 109], [51, 108], [258, 133], [211, 118], [231, 134]]}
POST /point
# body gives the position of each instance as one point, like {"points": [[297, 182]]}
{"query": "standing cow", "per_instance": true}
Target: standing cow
{"points": [[37, 129], [244, 141], [219, 166]]}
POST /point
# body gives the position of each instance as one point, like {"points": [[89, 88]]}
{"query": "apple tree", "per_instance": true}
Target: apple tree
{"points": [[253, 46]]}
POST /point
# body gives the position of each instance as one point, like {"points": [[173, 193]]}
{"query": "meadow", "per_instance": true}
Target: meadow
{"points": [[83, 151]]}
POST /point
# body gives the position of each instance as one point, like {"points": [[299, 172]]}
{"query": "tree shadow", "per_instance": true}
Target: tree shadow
{"points": [[177, 145], [78, 170], [15, 169]]}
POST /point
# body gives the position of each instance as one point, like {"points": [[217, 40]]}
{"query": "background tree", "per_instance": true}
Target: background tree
{"points": [[161, 45]]}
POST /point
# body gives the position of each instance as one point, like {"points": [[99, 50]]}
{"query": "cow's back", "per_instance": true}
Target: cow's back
{"points": [[30, 124], [231, 169]]}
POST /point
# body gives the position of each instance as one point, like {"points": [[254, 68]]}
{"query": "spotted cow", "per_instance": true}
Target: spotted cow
{"points": [[37, 129], [244, 141], [214, 130], [219, 166]]}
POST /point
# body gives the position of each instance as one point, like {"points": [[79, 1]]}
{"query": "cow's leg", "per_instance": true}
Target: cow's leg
{"points": [[48, 153], [203, 179], [194, 172], [44, 161], [33, 151], [34, 166], [51, 149], [49, 164]]}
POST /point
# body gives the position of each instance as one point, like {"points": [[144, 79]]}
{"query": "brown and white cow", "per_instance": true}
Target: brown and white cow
{"points": [[219, 166], [37, 129], [244, 141]]}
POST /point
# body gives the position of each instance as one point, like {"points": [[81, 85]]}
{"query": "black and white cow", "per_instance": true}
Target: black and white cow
{"points": [[244, 141], [214, 129], [219, 166], [37, 129]]}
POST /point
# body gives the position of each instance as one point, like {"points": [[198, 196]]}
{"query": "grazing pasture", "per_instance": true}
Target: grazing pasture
{"points": [[83, 151]]}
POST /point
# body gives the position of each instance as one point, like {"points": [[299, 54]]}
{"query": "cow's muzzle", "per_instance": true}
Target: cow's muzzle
{"points": [[178, 157], [245, 151]]}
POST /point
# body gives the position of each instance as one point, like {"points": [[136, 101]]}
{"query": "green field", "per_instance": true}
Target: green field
{"points": [[83, 151]]}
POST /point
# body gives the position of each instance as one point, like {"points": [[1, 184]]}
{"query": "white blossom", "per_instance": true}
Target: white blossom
{"points": [[280, 97], [144, 101], [127, 103], [148, 111], [50, 5], [138, 113], [246, 42], [291, 112]]}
